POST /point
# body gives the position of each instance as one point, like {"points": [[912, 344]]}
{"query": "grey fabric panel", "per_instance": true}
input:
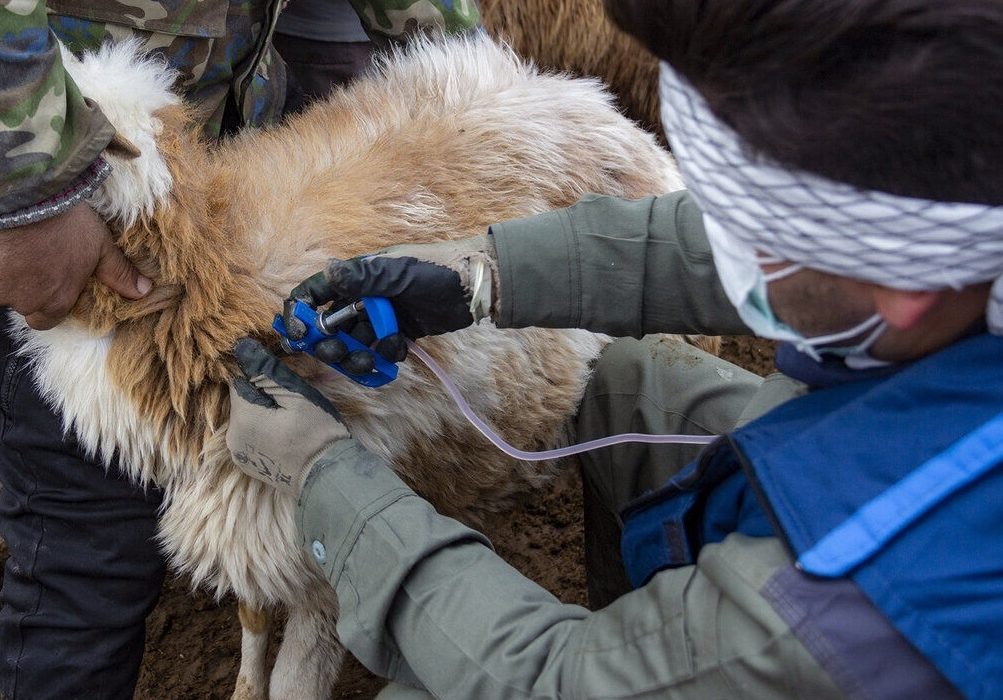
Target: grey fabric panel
{"points": [[653, 385], [322, 20], [850, 638]]}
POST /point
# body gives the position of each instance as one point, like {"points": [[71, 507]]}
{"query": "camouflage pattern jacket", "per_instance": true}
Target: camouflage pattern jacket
{"points": [[51, 137]]}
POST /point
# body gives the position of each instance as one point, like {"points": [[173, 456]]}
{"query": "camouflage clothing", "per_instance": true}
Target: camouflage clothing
{"points": [[50, 134], [392, 19]]}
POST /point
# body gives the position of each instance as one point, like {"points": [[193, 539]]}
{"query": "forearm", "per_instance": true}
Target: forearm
{"points": [[50, 134], [423, 600], [613, 266]]}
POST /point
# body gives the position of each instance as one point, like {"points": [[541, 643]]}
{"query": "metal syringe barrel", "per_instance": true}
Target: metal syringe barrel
{"points": [[329, 321]]}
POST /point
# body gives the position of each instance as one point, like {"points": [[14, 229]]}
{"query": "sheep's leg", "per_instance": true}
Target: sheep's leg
{"points": [[252, 683], [310, 656]]}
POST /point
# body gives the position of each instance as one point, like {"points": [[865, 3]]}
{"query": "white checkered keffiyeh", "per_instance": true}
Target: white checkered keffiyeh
{"points": [[898, 242]]}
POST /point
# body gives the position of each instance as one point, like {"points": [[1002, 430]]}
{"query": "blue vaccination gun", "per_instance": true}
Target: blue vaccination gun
{"points": [[324, 325]]}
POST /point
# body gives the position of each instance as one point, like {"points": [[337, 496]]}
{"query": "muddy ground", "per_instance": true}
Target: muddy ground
{"points": [[193, 641]]}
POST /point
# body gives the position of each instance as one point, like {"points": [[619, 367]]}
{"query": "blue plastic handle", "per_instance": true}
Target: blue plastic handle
{"points": [[381, 315]]}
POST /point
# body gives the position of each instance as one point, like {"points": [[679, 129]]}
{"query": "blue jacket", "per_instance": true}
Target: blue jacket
{"points": [[895, 483]]}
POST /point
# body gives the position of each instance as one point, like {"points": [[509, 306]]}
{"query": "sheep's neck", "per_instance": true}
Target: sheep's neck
{"points": [[171, 350]]}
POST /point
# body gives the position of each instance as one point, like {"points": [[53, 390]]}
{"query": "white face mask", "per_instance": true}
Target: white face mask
{"points": [[745, 283]]}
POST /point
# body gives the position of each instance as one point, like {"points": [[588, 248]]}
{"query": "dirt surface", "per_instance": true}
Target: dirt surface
{"points": [[754, 354], [193, 641]]}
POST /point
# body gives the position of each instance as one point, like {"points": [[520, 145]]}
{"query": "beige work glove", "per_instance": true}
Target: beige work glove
{"points": [[279, 424]]}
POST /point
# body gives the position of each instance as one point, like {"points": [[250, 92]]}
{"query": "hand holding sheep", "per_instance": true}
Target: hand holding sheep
{"points": [[46, 265]]}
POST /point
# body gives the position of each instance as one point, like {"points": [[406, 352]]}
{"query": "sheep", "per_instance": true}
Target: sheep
{"points": [[437, 142], [577, 36]]}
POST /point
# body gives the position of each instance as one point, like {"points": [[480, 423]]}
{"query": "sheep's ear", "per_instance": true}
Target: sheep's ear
{"points": [[123, 148]]}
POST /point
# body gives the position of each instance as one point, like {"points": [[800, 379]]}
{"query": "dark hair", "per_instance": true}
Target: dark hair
{"points": [[904, 96]]}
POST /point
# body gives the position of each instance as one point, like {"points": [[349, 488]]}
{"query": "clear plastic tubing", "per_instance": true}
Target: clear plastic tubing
{"points": [[508, 449]]}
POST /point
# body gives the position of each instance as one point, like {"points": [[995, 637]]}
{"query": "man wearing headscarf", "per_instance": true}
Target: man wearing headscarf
{"points": [[841, 538]]}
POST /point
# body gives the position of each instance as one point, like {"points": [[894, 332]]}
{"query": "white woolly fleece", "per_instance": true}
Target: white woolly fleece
{"points": [[129, 86]]}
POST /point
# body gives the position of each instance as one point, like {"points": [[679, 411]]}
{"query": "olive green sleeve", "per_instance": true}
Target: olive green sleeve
{"points": [[49, 133], [424, 600], [623, 267]]}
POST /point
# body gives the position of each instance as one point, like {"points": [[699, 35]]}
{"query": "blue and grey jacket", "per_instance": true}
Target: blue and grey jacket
{"points": [[889, 493]]}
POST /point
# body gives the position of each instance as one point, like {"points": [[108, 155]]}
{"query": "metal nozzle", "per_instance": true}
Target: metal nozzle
{"points": [[329, 321]]}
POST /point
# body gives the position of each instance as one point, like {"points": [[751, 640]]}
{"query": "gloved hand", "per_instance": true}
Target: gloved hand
{"points": [[279, 424], [434, 288]]}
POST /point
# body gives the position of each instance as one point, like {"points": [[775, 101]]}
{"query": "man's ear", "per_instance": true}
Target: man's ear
{"points": [[900, 309]]}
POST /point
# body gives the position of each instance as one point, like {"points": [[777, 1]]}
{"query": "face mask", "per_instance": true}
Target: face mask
{"points": [[745, 284]]}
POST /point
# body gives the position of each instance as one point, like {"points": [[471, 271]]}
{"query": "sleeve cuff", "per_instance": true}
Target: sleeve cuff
{"points": [[538, 269], [81, 188], [346, 486], [368, 531]]}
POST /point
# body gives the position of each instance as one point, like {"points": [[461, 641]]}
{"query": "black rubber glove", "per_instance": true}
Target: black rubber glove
{"points": [[434, 288]]}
